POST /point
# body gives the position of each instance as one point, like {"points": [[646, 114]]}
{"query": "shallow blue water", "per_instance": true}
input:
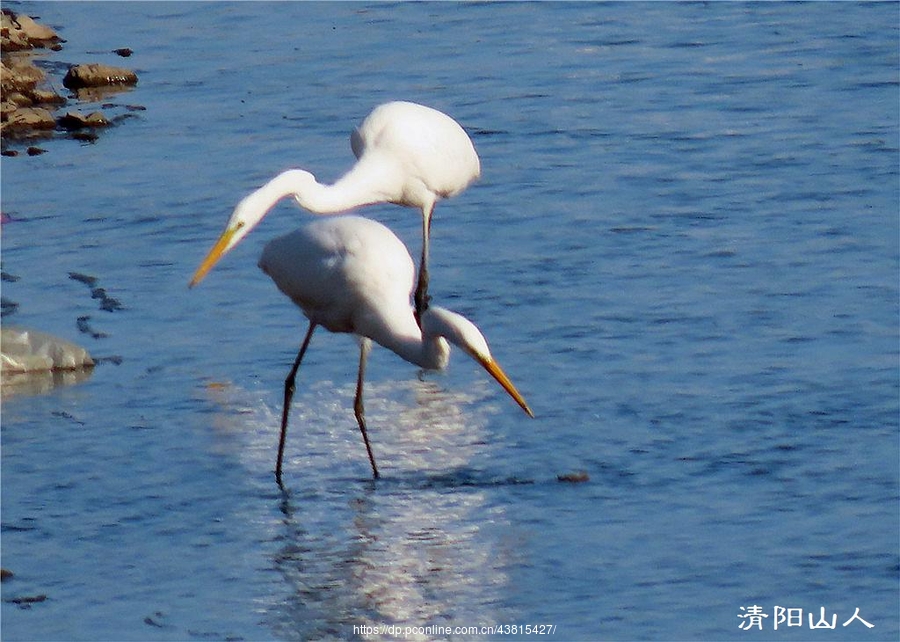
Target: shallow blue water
{"points": [[683, 249]]}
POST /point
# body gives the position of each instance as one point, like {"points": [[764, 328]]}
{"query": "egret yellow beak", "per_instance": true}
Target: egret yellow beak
{"points": [[217, 252], [497, 373]]}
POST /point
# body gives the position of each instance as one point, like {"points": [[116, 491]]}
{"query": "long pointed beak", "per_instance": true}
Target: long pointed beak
{"points": [[217, 252], [497, 373]]}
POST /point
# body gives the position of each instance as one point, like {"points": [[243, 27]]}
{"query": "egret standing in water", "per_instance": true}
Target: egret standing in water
{"points": [[407, 154], [351, 274]]}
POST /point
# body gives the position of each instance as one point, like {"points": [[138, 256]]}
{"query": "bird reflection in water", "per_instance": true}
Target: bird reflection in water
{"points": [[406, 551]]}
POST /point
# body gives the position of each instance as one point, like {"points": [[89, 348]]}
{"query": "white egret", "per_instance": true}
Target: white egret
{"points": [[407, 154], [351, 274]]}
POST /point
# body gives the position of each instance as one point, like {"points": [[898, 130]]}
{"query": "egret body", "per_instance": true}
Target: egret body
{"points": [[406, 153], [351, 274]]}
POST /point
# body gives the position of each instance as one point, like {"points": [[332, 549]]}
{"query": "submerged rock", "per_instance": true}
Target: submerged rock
{"points": [[578, 477], [77, 120]]}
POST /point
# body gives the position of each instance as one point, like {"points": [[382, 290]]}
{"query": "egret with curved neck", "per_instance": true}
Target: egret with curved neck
{"points": [[407, 154], [351, 274]]}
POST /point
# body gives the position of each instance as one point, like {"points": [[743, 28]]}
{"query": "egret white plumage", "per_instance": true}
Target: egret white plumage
{"points": [[407, 154], [351, 274]]}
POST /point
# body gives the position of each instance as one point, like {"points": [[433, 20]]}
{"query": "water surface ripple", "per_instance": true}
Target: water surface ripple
{"points": [[683, 250]]}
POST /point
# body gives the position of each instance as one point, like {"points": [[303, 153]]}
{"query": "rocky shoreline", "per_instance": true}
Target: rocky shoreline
{"points": [[30, 108]]}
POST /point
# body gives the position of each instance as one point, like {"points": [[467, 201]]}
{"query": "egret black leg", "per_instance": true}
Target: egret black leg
{"points": [[364, 346], [288, 396], [421, 297]]}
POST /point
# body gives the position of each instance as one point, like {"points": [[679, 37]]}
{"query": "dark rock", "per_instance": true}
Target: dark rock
{"points": [[85, 135], [578, 477], [27, 600], [77, 120]]}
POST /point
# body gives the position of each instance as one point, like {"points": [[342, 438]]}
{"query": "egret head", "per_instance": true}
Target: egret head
{"points": [[458, 330], [249, 212], [242, 220]]}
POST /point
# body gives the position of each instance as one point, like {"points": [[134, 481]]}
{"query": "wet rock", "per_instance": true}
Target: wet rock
{"points": [[97, 75], [13, 38], [33, 33], [87, 279], [20, 110], [27, 600], [17, 99], [107, 303], [7, 307], [27, 97], [22, 32], [77, 120], [24, 350], [19, 75], [35, 363], [84, 326], [47, 97], [30, 118], [85, 135]]}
